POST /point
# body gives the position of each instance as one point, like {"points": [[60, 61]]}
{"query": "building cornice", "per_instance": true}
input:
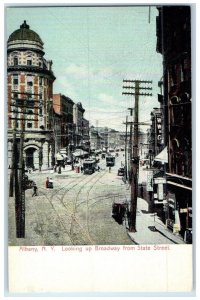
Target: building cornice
{"points": [[33, 69]]}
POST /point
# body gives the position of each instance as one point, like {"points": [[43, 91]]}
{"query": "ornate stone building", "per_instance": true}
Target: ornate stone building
{"points": [[30, 92]]}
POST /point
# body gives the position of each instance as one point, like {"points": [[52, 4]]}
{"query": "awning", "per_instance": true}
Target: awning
{"points": [[79, 152], [162, 156]]}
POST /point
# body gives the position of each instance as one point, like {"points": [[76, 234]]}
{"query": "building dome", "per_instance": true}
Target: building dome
{"points": [[24, 33], [23, 38]]}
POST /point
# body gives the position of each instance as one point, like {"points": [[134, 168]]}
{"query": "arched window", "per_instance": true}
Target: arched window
{"points": [[174, 100], [176, 111], [175, 144]]}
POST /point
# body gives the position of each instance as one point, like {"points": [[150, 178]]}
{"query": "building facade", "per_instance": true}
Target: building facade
{"points": [[155, 134], [63, 106], [30, 90], [174, 43], [78, 114], [86, 135]]}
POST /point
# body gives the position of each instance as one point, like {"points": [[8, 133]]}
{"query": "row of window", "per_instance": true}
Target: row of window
{"points": [[29, 62], [29, 80]]}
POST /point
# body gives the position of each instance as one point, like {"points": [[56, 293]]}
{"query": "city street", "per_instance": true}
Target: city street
{"points": [[77, 211]]}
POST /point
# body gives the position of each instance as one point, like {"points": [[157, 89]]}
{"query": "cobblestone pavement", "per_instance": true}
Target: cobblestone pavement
{"points": [[77, 211]]}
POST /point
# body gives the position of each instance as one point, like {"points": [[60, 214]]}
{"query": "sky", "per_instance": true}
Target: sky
{"points": [[93, 49]]}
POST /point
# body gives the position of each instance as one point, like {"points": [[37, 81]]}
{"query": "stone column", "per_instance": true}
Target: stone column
{"points": [[45, 156], [36, 159]]}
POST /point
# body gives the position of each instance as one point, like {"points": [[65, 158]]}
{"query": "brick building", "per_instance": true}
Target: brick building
{"points": [[174, 43], [63, 106], [30, 91]]}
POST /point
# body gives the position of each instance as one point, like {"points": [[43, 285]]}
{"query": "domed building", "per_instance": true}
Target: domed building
{"points": [[30, 93]]}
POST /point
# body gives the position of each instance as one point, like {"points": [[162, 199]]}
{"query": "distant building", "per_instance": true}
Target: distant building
{"points": [[96, 139], [30, 92], [78, 114], [86, 135], [63, 106], [155, 133]]}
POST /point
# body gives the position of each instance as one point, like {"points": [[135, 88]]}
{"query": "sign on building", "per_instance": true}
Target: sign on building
{"points": [[150, 181]]}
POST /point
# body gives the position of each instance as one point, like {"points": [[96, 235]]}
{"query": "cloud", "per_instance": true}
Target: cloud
{"points": [[81, 71], [111, 103], [66, 88], [77, 71]]}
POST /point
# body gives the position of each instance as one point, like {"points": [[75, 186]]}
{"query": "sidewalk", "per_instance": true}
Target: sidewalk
{"points": [[150, 229]]}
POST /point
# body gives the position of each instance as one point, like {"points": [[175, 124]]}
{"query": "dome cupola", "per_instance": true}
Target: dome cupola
{"points": [[24, 37]]}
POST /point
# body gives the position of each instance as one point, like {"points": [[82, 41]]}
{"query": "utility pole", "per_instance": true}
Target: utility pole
{"points": [[14, 151], [131, 138], [135, 154], [18, 159], [126, 149]]}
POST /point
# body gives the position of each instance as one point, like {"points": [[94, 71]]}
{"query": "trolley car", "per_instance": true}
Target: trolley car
{"points": [[89, 166], [110, 161]]}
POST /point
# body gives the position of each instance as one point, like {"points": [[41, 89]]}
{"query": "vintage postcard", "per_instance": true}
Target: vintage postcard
{"points": [[99, 148]]}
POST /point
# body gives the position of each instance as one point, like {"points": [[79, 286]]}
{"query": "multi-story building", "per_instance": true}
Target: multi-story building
{"points": [[63, 106], [155, 133], [96, 139], [86, 135], [174, 43], [30, 85], [78, 114]]}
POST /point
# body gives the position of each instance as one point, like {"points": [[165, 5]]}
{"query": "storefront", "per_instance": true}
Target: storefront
{"points": [[179, 200]]}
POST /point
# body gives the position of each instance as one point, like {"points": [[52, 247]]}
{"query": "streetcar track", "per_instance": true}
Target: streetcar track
{"points": [[59, 218], [70, 212], [72, 215]]}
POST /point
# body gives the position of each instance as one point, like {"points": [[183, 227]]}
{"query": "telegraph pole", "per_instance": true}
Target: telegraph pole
{"points": [[131, 137], [135, 154], [14, 151], [18, 159], [126, 149]]}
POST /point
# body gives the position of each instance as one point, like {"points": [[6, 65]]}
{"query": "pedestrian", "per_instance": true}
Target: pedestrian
{"points": [[109, 169], [59, 169], [47, 182], [34, 190], [51, 183]]}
